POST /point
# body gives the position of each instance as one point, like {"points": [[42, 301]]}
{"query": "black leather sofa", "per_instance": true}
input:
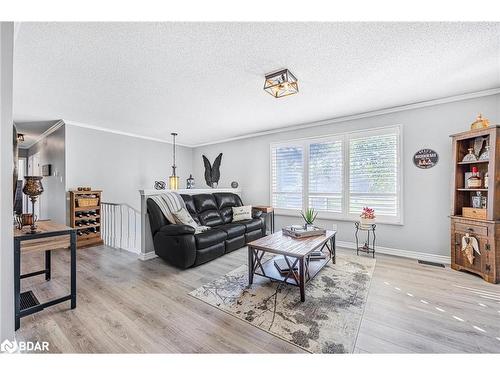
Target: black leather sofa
{"points": [[181, 247]]}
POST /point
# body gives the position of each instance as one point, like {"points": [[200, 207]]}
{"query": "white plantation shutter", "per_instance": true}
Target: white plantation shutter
{"points": [[373, 172], [287, 164], [325, 176], [339, 175]]}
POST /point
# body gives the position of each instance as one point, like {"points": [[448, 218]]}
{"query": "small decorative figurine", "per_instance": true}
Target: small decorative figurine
{"points": [[190, 182], [470, 156], [480, 123], [160, 185]]}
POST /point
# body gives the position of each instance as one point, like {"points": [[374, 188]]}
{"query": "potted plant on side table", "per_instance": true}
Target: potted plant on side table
{"points": [[367, 217]]}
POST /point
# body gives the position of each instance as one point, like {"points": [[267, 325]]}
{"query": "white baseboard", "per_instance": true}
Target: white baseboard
{"points": [[147, 256], [401, 253]]}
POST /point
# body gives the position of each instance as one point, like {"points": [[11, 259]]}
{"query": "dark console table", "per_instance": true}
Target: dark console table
{"points": [[50, 236]]}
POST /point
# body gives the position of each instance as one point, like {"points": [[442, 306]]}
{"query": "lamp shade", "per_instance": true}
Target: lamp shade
{"points": [[33, 186], [173, 182]]}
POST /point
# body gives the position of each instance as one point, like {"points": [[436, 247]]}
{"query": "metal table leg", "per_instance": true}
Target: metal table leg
{"points": [[302, 280], [73, 269], [48, 268], [334, 250], [250, 265], [17, 283]]}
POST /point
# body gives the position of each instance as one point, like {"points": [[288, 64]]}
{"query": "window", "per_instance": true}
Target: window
{"points": [[287, 176], [373, 173], [339, 175], [325, 176]]}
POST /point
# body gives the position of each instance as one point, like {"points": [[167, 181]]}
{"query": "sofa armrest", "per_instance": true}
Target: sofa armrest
{"points": [[256, 213], [176, 229]]}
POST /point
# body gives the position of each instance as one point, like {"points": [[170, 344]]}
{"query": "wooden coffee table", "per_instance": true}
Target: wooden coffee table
{"points": [[294, 251]]}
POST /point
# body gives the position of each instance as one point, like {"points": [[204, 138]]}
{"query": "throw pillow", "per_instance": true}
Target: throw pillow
{"points": [[184, 217], [242, 213]]}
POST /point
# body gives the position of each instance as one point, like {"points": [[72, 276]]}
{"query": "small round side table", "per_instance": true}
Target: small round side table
{"points": [[366, 248]]}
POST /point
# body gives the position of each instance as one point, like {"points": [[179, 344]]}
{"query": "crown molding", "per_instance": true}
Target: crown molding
{"points": [[127, 134], [384, 111], [379, 112], [44, 135]]}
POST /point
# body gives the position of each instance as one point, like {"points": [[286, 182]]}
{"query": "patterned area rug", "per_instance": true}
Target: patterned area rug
{"points": [[327, 322]]}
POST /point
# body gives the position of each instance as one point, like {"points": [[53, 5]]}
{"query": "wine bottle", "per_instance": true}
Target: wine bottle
{"points": [[474, 181]]}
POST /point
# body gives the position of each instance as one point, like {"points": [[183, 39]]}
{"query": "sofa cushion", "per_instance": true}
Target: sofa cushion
{"points": [[188, 199], [210, 218], [209, 238], [251, 224], [232, 230], [204, 202], [227, 200], [225, 204]]}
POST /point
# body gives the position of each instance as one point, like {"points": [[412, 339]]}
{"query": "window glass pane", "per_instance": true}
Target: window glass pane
{"points": [[373, 169], [325, 176], [287, 171]]}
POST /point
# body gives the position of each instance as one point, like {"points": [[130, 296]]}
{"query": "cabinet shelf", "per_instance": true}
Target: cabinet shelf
{"points": [[90, 208], [473, 162], [482, 224]]}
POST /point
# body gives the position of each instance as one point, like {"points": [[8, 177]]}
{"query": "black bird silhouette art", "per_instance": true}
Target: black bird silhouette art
{"points": [[212, 172]]}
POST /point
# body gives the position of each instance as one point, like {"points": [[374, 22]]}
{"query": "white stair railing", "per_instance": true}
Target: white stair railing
{"points": [[121, 226]]}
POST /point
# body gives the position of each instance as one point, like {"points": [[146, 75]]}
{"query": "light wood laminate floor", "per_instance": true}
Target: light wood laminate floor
{"points": [[127, 305]]}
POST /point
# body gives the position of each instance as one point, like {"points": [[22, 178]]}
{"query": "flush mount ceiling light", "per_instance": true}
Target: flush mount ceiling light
{"points": [[281, 83]]}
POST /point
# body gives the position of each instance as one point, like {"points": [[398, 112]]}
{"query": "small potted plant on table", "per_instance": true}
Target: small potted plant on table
{"points": [[367, 217], [309, 216]]}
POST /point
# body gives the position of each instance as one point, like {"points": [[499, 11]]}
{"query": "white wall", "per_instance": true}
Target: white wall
{"points": [[6, 197], [52, 151], [426, 193], [121, 165]]}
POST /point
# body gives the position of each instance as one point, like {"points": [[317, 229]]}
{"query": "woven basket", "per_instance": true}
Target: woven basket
{"points": [[87, 202]]}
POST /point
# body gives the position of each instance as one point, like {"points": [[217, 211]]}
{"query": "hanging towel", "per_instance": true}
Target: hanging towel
{"points": [[469, 246]]}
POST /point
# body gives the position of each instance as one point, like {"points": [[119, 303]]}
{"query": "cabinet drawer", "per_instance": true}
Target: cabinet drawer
{"points": [[478, 230]]}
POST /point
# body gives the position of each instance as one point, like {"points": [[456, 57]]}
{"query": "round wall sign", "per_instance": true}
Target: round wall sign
{"points": [[425, 158]]}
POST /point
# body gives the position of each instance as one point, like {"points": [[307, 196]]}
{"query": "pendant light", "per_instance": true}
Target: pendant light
{"points": [[173, 180]]}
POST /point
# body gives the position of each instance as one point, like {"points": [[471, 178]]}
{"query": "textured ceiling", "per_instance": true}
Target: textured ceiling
{"points": [[205, 80]]}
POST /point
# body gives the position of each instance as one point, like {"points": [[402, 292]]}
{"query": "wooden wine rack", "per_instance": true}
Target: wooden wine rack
{"points": [[89, 238]]}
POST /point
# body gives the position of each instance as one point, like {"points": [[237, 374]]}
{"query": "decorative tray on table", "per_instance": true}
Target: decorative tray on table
{"points": [[298, 231]]}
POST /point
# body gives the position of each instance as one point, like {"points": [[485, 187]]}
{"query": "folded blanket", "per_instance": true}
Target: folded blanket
{"points": [[169, 202]]}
